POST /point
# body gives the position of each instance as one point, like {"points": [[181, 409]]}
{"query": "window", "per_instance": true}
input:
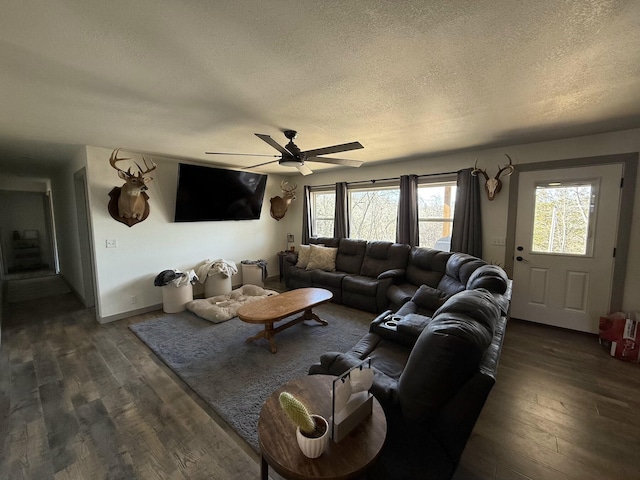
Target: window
{"points": [[436, 203], [373, 212], [323, 206], [563, 218]]}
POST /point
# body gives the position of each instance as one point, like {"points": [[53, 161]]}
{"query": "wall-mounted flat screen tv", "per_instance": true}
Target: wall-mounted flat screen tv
{"points": [[213, 194]]}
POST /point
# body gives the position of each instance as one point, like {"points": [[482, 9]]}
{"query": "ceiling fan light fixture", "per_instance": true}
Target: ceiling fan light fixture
{"points": [[290, 162]]}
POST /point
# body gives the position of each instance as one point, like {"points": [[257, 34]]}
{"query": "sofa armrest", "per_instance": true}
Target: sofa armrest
{"points": [[404, 330], [291, 258], [393, 273]]}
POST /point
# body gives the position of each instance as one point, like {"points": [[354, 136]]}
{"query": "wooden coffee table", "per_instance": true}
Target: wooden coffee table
{"points": [[347, 459], [271, 309]]}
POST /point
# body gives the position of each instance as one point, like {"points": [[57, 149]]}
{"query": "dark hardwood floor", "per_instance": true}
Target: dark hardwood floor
{"points": [[79, 400]]}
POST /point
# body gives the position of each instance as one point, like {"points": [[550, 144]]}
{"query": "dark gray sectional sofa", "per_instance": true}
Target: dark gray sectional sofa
{"points": [[374, 276], [435, 359]]}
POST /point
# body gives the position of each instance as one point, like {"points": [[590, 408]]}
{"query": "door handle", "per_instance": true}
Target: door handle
{"points": [[520, 259]]}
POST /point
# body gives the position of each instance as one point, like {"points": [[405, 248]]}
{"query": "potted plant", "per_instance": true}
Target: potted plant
{"points": [[312, 431]]}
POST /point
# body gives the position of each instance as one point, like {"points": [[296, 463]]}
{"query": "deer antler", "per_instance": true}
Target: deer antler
{"points": [[114, 159], [509, 167], [285, 187], [476, 171], [148, 169]]}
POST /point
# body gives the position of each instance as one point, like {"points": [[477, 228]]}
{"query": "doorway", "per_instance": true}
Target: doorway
{"points": [[565, 239], [568, 231]]}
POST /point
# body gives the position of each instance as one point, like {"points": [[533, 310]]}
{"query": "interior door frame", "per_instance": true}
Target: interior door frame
{"points": [[627, 196]]}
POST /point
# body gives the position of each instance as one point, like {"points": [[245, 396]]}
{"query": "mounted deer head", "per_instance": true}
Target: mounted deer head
{"points": [[493, 185], [279, 205], [132, 201]]}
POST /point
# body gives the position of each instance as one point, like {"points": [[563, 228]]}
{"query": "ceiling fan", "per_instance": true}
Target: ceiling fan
{"points": [[292, 156]]}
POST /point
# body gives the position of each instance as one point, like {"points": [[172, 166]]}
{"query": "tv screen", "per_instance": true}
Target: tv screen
{"points": [[211, 194]]}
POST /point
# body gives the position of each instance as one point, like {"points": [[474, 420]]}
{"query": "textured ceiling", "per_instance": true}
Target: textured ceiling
{"points": [[405, 78]]}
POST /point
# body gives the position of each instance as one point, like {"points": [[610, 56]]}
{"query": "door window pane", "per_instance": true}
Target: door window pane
{"points": [[563, 217]]}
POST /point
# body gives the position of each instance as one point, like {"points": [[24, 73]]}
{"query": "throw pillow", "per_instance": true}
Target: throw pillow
{"points": [[303, 256], [322, 258], [429, 298]]}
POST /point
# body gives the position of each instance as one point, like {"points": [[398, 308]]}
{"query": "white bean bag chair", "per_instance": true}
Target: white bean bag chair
{"points": [[224, 307]]}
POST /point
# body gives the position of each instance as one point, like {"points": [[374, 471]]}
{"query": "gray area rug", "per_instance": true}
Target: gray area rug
{"points": [[235, 377]]}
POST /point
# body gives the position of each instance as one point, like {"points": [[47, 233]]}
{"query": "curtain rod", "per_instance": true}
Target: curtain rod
{"points": [[362, 182]]}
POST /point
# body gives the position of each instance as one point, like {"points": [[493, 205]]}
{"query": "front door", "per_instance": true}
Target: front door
{"points": [[566, 227]]}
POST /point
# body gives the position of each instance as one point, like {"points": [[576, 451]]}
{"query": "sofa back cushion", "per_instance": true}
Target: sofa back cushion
{"points": [[326, 241], [350, 255], [426, 266], [447, 353], [459, 268], [489, 277], [382, 256]]}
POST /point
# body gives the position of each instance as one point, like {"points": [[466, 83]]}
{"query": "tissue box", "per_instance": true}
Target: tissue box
{"points": [[358, 408]]}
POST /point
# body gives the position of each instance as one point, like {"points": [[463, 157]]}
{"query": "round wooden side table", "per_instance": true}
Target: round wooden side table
{"points": [[279, 447]]}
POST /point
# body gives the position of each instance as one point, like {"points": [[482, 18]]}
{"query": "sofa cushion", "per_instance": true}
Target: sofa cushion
{"points": [[447, 353], [350, 255], [459, 268], [401, 294], [323, 258], [489, 277], [363, 285], [299, 277], [426, 266], [429, 299], [477, 304], [303, 256], [382, 256], [325, 241], [327, 279]]}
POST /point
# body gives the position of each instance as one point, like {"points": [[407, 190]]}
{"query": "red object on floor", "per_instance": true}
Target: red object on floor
{"points": [[620, 336]]}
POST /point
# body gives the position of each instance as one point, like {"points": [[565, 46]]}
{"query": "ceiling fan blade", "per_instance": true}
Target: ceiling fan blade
{"points": [[304, 170], [335, 161], [242, 154], [262, 164], [273, 143], [345, 147]]}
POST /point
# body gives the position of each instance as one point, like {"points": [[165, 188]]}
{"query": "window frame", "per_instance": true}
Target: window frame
{"points": [[393, 184], [314, 219], [441, 181]]}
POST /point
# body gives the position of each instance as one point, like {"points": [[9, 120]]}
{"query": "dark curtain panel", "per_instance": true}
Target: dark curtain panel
{"points": [[341, 218], [407, 229], [306, 215], [466, 236]]}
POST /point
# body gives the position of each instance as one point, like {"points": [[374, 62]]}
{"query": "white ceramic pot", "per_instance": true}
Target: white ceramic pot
{"points": [[314, 447]]}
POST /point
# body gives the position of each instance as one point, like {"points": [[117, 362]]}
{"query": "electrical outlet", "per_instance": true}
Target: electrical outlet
{"points": [[111, 243], [134, 299]]}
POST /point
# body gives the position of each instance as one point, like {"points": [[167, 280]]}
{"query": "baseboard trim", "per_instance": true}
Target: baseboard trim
{"points": [[129, 313]]}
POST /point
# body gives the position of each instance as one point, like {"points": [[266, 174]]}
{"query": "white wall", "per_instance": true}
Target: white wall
{"points": [[494, 214], [66, 221], [23, 184], [158, 244]]}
